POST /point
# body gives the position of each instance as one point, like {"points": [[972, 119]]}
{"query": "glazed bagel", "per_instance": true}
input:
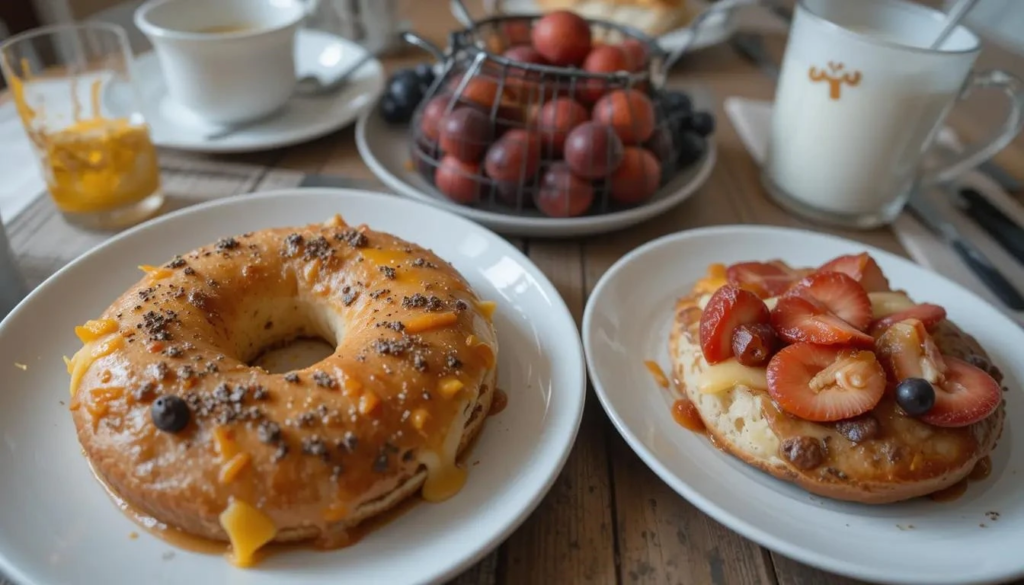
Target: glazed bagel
{"points": [[878, 458], [304, 454]]}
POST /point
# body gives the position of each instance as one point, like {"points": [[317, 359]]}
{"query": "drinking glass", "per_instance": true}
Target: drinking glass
{"points": [[860, 99], [101, 169]]}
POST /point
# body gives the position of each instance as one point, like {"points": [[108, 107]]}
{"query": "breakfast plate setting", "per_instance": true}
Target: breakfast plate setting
{"points": [[71, 531], [964, 533], [243, 346]]}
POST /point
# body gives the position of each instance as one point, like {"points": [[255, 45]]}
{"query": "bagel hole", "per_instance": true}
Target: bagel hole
{"points": [[296, 354], [284, 335]]}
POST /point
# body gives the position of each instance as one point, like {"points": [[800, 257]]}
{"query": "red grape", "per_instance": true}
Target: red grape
{"points": [[514, 157], [458, 180], [637, 178], [563, 194], [430, 118], [562, 37], [465, 134], [603, 59], [593, 150], [630, 112], [637, 53], [556, 119]]}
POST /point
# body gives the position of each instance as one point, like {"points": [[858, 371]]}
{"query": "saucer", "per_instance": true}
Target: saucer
{"points": [[300, 120]]}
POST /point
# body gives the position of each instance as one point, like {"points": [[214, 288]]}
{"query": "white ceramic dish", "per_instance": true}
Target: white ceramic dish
{"points": [[716, 29], [302, 118], [920, 541], [57, 524], [385, 149]]}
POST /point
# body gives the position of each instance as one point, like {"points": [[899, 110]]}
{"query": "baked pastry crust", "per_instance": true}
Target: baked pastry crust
{"points": [[317, 450], [908, 459]]}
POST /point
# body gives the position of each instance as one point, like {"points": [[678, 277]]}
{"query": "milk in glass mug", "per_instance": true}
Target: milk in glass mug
{"points": [[860, 99]]}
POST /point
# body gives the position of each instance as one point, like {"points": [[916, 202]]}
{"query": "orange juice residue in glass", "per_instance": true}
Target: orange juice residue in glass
{"points": [[94, 163]]}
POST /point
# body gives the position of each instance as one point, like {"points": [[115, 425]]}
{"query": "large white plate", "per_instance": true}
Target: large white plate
{"points": [[57, 524], [915, 542], [301, 119], [385, 149]]}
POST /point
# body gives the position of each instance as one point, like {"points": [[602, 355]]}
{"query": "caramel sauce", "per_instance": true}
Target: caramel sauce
{"points": [[685, 413], [498, 402], [982, 469], [950, 493], [168, 534], [659, 375], [185, 541]]}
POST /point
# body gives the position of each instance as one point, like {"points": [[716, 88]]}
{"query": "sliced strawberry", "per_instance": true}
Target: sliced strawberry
{"points": [[862, 268], [765, 279], [727, 309], [966, 396], [840, 294], [907, 351], [796, 319], [821, 383], [926, 313]]}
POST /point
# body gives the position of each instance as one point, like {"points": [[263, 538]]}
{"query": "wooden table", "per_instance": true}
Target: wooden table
{"points": [[608, 518]]}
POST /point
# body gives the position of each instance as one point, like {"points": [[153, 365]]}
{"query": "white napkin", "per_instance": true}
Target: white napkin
{"points": [[752, 120], [22, 180]]}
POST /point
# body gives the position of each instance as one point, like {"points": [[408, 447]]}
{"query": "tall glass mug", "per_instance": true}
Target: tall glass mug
{"points": [[860, 98], [101, 169]]}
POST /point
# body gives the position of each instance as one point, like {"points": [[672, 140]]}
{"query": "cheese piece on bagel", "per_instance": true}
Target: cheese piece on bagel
{"points": [[174, 420], [879, 457]]}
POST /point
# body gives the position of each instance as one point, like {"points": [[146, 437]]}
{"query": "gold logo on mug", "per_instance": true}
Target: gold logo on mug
{"points": [[836, 76]]}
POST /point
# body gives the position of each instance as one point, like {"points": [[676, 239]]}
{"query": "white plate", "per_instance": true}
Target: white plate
{"points": [[57, 524], [301, 119], [624, 324], [716, 29], [385, 149]]}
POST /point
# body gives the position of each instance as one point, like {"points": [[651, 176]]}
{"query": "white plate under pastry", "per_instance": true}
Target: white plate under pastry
{"points": [[385, 149], [57, 524], [300, 120], [920, 541]]}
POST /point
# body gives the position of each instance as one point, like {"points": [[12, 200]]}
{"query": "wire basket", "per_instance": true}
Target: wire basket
{"points": [[500, 131]]}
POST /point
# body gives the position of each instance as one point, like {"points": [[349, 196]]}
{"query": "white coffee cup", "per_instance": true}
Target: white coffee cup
{"points": [[228, 61], [860, 99]]}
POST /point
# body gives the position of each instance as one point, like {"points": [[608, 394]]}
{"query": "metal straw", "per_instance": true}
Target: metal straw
{"points": [[953, 18]]}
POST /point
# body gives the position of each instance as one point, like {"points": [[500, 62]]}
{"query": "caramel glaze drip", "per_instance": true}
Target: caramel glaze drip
{"points": [[686, 415], [322, 441]]}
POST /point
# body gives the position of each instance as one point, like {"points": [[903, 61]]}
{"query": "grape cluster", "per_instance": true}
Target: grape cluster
{"points": [[405, 90]]}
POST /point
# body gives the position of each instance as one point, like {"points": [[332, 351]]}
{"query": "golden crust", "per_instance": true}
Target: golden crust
{"points": [[347, 439], [855, 483]]}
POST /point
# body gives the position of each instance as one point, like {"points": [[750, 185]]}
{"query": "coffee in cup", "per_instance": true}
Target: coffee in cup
{"points": [[229, 61]]}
